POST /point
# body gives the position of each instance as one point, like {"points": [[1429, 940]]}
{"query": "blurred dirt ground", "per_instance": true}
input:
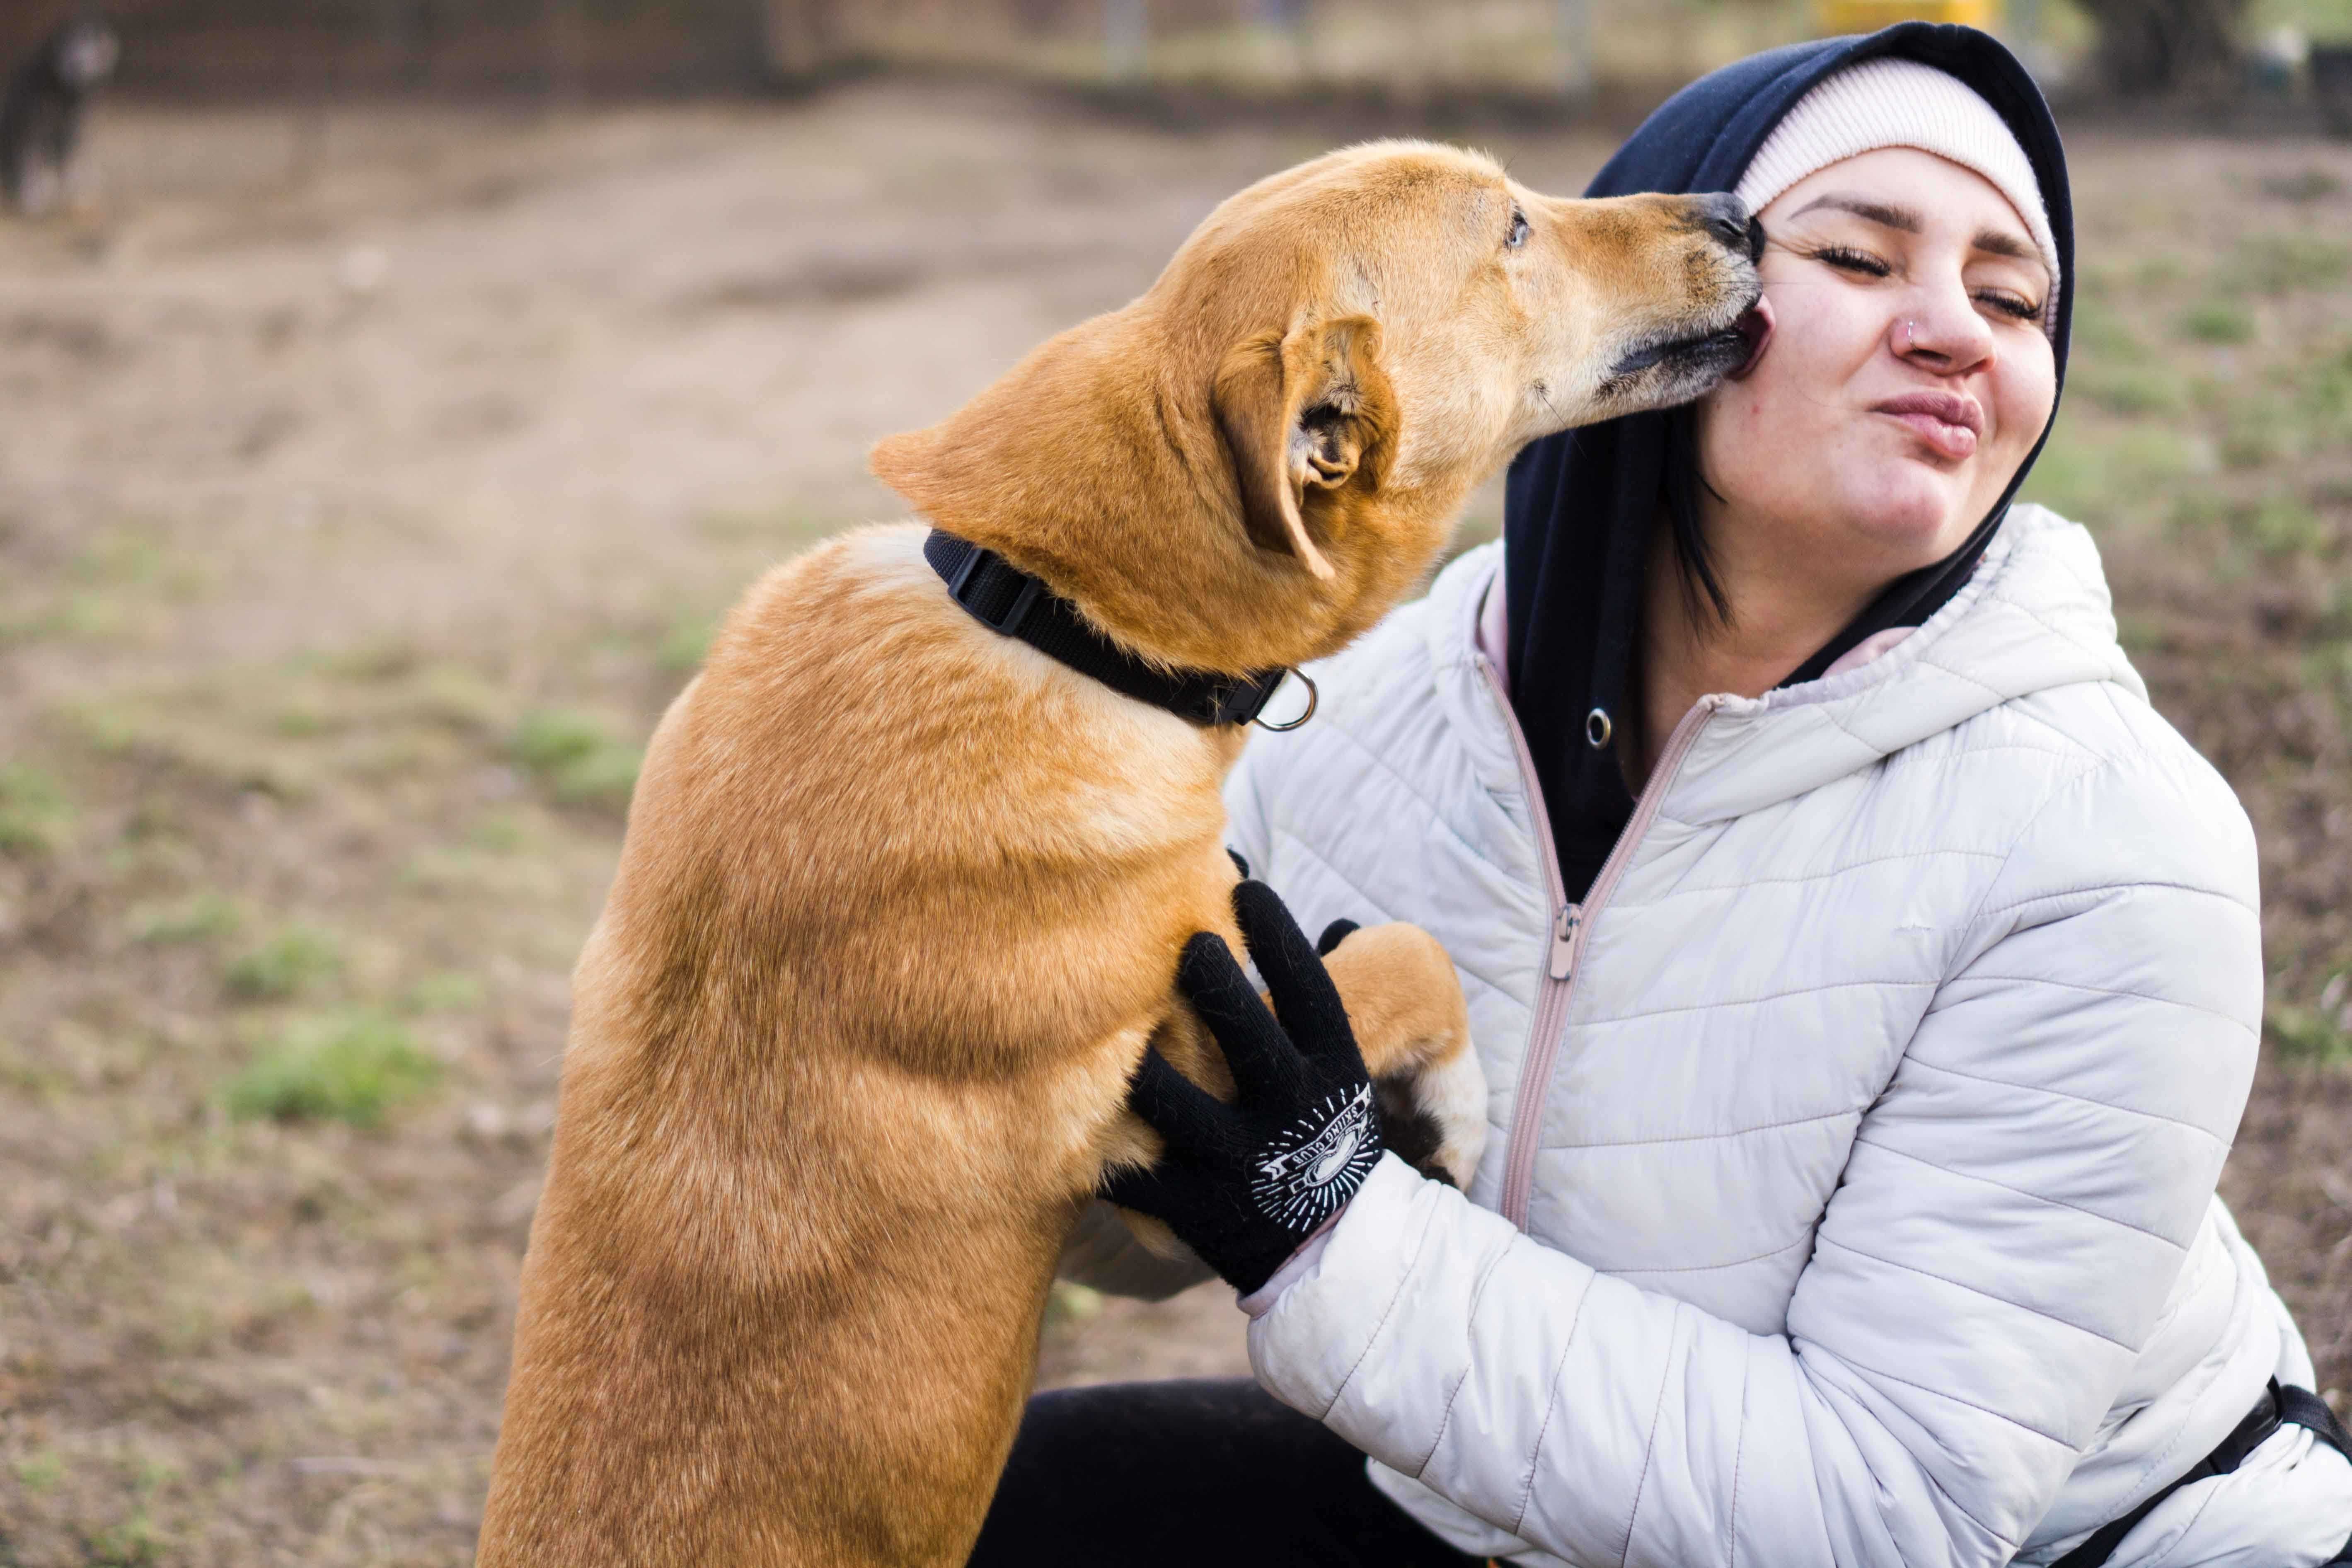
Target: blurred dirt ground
{"points": [[369, 481]]}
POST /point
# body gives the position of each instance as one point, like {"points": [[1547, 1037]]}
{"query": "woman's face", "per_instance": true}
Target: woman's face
{"points": [[1906, 379]]}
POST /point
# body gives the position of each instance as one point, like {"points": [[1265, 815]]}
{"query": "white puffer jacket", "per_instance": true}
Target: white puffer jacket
{"points": [[1851, 1191]]}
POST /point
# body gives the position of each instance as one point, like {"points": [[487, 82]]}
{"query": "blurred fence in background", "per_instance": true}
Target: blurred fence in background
{"points": [[1534, 50]]}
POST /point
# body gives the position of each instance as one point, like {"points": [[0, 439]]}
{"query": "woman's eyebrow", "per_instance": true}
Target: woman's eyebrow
{"points": [[1999, 242], [1880, 212]]}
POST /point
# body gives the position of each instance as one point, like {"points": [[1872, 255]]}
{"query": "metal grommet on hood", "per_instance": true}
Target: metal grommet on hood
{"points": [[1597, 729]]}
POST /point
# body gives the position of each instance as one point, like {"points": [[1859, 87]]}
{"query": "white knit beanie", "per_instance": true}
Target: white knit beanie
{"points": [[1900, 103]]}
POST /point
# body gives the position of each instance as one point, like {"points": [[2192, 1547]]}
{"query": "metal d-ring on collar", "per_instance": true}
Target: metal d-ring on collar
{"points": [[1018, 605], [1313, 698]]}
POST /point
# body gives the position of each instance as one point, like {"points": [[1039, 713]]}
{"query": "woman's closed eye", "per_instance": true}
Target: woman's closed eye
{"points": [[1845, 258], [2008, 303]]}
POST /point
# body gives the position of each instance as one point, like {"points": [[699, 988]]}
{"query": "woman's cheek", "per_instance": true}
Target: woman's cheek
{"points": [[2025, 392], [1743, 424], [2029, 390]]}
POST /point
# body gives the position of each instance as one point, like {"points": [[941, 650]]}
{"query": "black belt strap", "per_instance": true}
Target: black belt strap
{"points": [[1006, 599], [2278, 1406]]}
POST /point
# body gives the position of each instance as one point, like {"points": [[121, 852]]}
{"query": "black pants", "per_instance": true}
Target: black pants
{"points": [[1177, 1475], [1216, 1471]]}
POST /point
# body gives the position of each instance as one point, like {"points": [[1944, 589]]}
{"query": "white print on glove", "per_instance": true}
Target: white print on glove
{"points": [[1318, 1162]]}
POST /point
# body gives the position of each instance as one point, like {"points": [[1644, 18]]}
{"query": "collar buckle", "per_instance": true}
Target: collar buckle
{"points": [[1008, 617], [1243, 700]]}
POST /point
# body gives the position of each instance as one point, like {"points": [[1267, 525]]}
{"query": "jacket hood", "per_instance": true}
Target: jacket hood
{"points": [[1580, 506], [2034, 616]]}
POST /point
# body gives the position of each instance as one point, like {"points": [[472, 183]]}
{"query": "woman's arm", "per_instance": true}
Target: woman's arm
{"points": [[2015, 1210]]}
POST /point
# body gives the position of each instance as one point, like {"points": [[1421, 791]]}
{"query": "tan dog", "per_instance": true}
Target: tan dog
{"points": [[902, 899]]}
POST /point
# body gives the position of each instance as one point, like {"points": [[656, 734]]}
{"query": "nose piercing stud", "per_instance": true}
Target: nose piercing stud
{"points": [[1910, 333]]}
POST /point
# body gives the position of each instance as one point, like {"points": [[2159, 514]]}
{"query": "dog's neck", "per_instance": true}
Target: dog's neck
{"points": [[1121, 498], [1019, 604]]}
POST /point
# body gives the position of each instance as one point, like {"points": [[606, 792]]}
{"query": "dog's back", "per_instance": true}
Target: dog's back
{"points": [[836, 1076]]}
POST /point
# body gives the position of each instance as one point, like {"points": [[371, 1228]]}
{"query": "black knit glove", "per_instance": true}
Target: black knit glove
{"points": [[1244, 1184]]}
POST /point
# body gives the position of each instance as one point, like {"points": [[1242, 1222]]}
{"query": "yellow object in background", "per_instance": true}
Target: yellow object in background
{"points": [[1836, 17]]}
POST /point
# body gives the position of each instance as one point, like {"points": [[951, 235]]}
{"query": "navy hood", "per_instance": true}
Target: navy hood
{"points": [[1580, 506]]}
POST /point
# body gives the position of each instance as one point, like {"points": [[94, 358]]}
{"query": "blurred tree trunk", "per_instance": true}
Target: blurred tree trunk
{"points": [[2156, 46], [803, 37], [563, 35], [1126, 39], [413, 28]]}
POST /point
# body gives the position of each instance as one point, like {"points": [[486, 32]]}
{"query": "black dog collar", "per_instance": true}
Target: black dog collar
{"points": [[1005, 599]]}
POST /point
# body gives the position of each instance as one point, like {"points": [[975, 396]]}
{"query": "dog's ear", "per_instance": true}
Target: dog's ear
{"points": [[908, 463], [1300, 412], [1025, 459]]}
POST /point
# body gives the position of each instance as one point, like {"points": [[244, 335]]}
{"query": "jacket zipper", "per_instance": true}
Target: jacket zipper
{"points": [[1569, 922]]}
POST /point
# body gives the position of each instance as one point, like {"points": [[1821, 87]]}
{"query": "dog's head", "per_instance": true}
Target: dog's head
{"points": [[1256, 461]]}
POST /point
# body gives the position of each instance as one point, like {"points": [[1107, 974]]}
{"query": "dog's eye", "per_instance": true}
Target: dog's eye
{"points": [[1518, 234]]}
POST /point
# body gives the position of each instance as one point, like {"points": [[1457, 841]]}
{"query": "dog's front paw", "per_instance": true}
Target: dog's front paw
{"points": [[1434, 1118], [1405, 1002]]}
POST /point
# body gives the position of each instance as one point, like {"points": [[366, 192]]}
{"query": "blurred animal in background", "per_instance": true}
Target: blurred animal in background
{"points": [[40, 119]]}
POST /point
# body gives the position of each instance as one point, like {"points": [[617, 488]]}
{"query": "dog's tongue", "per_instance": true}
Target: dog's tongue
{"points": [[1755, 326]]}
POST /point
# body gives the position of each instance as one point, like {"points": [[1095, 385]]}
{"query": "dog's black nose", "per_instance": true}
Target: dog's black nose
{"points": [[1727, 219]]}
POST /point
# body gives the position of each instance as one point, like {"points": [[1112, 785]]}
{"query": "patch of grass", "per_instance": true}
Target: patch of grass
{"points": [[2097, 476], [2282, 525], [388, 658], [2306, 1034], [2196, 508], [285, 965], [2139, 635], [2068, 476], [200, 917], [133, 1544], [111, 727], [2277, 264], [2153, 454], [2324, 394], [2101, 331], [684, 646], [576, 758], [185, 728], [34, 812], [118, 557], [40, 1470], [2253, 444], [456, 698], [2130, 389], [2305, 186], [1071, 1302], [351, 1069], [2327, 669], [448, 992], [2218, 321], [302, 721], [499, 833]]}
